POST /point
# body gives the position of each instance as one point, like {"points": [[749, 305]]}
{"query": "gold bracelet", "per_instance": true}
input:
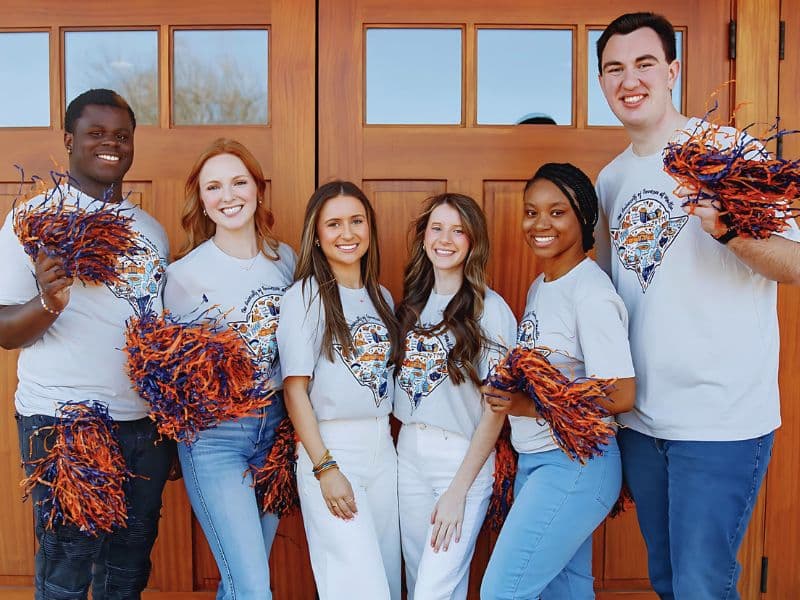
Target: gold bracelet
{"points": [[47, 308], [325, 458], [325, 467]]}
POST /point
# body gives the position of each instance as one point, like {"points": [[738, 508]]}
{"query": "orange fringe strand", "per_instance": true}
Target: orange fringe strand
{"points": [[756, 193], [84, 471], [275, 482], [90, 239], [623, 503], [505, 471], [571, 408], [194, 374]]}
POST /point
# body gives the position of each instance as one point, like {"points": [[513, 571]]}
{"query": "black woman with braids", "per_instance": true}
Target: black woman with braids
{"points": [[574, 316]]}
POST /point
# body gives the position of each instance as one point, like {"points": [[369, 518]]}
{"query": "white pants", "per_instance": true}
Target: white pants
{"points": [[357, 559], [428, 458]]}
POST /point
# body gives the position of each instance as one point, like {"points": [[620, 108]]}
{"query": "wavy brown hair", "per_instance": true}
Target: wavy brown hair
{"points": [[463, 313], [312, 262], [198, 227]]}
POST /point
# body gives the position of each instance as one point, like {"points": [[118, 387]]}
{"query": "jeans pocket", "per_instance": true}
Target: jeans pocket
{"points": [[609, 477]]}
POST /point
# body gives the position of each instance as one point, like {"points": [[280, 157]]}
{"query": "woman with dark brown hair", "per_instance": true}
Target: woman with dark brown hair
{"points": [[336, 336], [231, 259], [452, 327]]}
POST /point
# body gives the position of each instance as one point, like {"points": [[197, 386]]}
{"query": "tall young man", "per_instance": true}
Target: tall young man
{"points": [[70, 335], [703, 330]]}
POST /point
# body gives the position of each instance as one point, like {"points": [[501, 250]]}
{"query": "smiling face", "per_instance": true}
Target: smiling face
{"points": [[637, 80], [343, 235], [551, 228], [229, 194], [446, 242], [100, 149]]}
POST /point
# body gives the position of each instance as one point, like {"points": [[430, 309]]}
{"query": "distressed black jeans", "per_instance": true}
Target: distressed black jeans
{"points": [[66, 556]]}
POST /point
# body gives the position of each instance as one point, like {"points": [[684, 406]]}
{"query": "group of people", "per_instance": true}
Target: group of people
{"points": [[686, 324]]}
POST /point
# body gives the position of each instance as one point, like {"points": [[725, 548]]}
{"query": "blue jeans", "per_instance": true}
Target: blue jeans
{"points": [[65, 555], [545, 547], [693, 501], [219, 484]]}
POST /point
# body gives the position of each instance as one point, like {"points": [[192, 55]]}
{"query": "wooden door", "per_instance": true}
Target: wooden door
{"points": [[782, 543], [401, 164], [281, 135]]}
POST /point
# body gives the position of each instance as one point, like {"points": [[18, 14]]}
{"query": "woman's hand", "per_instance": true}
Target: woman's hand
{"points": [[338, 494], [53, 282], [516, 404], [447, 518]]}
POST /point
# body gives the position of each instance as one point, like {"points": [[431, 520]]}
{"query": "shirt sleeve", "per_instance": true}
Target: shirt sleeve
{"points": [[602, 329], [500, 328], [300, 330], [17, 279]]}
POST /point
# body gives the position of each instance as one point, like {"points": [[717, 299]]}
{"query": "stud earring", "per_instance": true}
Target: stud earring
{"points": [[316, 243], [69, 149], [205, 214]]}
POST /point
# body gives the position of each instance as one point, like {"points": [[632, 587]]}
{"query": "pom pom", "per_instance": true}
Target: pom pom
{"points": [[623, 503], [275, 482], [193, 374], [505, 471], [755, 193], [84, 471], [571, 408], [90, 239]]}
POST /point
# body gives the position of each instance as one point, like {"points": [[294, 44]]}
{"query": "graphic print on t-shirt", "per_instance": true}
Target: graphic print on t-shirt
{"points": [[425, 365], [528, 331], [259, 325], [645, 233], [369, 362], [141, 276]]}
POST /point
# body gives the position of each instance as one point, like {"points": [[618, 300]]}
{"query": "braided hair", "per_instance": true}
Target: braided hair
{"points": [[578, 189]]}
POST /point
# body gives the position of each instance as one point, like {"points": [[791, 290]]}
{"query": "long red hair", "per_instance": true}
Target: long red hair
{"points": [[198, 227]]}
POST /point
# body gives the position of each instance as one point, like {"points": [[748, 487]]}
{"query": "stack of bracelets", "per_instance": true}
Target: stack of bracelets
{"points": [[325, 463]]}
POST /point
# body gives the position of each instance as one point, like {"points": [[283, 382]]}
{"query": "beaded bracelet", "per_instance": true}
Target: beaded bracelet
{"points": [[325, 458], [47, 308]]}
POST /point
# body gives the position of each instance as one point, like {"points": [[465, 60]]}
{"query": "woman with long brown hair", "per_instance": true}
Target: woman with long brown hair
{"points": [[231, 259], [336, 336], [452, 326]]}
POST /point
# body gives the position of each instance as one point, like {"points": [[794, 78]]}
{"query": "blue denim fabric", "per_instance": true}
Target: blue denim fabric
{"points": [[219, 484], [65, 555], [545, 547], [694, 501]]}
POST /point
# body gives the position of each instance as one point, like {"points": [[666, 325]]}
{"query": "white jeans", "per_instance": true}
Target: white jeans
{"points": [[357, 559], [428, 458]]}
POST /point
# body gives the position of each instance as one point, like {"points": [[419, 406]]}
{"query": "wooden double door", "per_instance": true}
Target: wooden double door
{"points": [[321, 125]]}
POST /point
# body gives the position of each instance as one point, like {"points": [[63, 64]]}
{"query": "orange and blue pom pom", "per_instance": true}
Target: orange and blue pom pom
{"points": [[193, 374], [275, 481], [91, 238], [84, 471], [505, 472], [570, 407], [755, 192]]}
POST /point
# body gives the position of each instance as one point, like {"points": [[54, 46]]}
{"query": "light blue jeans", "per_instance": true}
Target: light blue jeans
{"points": [[219, 485], [545, 547]]}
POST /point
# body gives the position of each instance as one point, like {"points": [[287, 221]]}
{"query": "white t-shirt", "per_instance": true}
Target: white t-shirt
{"points": [[582, 320], [79, 357], [703, 325], [248, 290], [424, 392], [358, 387]]}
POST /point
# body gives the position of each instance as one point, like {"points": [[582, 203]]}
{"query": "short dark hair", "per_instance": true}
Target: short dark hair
{"points": [[100, 97], [630, 22], [578, 189]]}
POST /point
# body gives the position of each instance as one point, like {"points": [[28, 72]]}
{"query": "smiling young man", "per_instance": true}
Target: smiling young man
{"points": [[70, 335], [703, 330]]}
